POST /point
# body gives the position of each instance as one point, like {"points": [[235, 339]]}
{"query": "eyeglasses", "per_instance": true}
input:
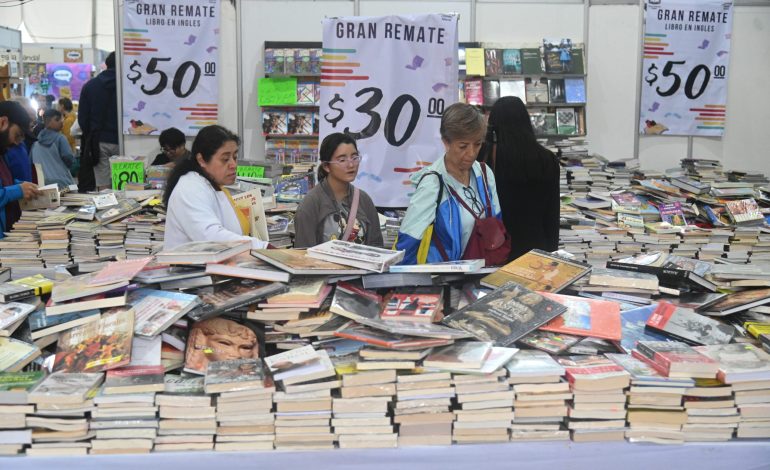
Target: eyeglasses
{"points": [[470, 194], [355, 159]]}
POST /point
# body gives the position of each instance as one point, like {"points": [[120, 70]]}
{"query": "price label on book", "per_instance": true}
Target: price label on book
{"points": [[684, 75], [126, 172], [386, 81], [170, 57]]}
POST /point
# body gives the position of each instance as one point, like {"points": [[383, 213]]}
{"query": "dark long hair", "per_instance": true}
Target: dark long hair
{"points": [[518, 156], [206, 143], [328, 147]]}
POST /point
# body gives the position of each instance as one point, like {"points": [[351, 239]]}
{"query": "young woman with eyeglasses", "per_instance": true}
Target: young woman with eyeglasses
{"points": [[325, 213], [462, 132]]}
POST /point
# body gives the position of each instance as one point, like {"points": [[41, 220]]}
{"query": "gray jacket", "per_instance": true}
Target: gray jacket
{"points": [[320, 218], [54, 154]]}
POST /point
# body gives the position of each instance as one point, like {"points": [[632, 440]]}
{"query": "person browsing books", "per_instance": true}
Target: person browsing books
{"points": [[199, 207], [530, 175], [172, 144], [335, 209], [451, 194]]}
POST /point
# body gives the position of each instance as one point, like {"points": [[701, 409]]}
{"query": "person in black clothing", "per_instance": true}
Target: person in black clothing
{"points": [[527, 176], [172, 144], [98, 119]]}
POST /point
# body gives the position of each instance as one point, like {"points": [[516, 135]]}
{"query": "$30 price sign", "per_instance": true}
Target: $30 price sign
{"points": [[684, 74], [169, 74], [386, 81]]}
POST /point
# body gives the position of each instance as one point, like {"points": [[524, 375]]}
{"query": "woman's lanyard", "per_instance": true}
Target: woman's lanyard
{"points": [[242, 219]]}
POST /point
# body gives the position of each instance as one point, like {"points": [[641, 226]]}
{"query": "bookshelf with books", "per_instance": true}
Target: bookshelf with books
{"points": [[291, 129], [549, 79]]}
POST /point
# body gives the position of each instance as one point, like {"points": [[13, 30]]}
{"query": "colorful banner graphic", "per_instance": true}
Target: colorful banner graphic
{"points": [[66, 80], [386, 82], [170, 60], [684, 74]]}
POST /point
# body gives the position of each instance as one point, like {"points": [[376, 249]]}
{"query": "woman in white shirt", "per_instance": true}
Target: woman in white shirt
{"points": [[199, 207]]}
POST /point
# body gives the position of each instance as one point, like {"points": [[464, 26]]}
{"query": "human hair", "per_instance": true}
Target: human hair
{"points": [[15, 113], [66, 104], [327, 149], [49, 100], [109, 62], [51, 114], [460, 121], [206, 143], [518, 154], [171, 138]]}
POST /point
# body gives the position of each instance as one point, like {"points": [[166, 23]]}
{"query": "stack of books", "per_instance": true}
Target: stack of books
{"points": [[14, 410], [359, 428], [179, 394], [423, 408]]}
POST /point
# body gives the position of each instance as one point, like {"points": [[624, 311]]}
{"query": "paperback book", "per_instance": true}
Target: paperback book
{"points": [[539, 271], [586, 317], [96, 346], [353, 254], [684, 324]]}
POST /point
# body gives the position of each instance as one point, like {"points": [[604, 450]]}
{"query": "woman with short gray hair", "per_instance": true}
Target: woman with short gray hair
{"points": [[450, 194]]}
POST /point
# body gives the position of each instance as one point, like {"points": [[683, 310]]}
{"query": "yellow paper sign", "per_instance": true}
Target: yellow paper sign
{"points": [[474, 61]]}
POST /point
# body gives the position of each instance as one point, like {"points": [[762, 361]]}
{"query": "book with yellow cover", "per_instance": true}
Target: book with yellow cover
{"points": [[539, 271], [38, 282]]}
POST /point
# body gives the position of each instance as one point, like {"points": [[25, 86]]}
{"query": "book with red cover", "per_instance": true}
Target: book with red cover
{"points": [[675, 359], [414, 304], [387, 340], [118, 271], [594, 373], [474, 91], [686, 325], [586, 317]]}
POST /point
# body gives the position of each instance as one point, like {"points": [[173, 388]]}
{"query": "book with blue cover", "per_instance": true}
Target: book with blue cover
{"points": [[632, 325], [575, 90], [43, 325], [511, 62]]}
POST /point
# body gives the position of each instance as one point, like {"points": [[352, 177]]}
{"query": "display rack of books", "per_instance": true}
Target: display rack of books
{"points": [[289, 97], [549, 79]]}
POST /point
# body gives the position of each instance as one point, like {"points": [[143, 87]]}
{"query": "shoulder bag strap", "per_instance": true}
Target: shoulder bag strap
{"points": [[434, 238], [462, 203], [487, 195], [352, 214]]}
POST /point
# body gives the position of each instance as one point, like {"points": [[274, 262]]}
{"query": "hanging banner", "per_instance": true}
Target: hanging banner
{"points": [[170, 59], [385, 81], [684, 73], [66, 80]]}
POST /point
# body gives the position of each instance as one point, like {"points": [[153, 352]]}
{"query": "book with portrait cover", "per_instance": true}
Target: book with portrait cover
{"points": [[274, 122], [686, 325], [505, 315], [538, 270], [96, 346], [511, 62], [586, 317], [299, 123]]}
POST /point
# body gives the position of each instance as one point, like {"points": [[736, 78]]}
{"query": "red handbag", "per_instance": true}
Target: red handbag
{"points": [[489, 239]]}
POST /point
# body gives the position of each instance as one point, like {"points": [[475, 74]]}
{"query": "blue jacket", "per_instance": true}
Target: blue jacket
{"points": [[447, 222], [19, 163], [98, 108]]}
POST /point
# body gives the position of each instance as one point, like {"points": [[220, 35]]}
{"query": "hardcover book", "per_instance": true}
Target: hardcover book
{"points": [[633, 326], [586, 317], [539, 271], [511, 62], [685, 324], [556, 91], [234, 375], [96, 346], [505, 315], [353, 254]]}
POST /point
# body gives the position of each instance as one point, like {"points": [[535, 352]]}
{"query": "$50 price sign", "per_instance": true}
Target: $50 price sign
{"points": [[386, 81], [684, 74], [170, 58]]}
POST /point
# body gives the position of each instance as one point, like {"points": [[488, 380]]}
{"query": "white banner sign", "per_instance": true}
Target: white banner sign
{"points": [[386, 81], [170, 59], [684, 76]]}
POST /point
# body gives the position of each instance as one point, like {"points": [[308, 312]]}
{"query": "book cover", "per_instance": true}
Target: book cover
{"points": [[19, 381], [737, 302], [626, 202], [745, 212], [306, 92], [315, 61], [593, 368], [183, 385], [231, 295], [233, 375], [387, 340], [576, 65], [617, 278], [738, 362], [77, 287], [38, 283], [202, 252], [463, 355], [575, 90], [474, 91], [288, 362], [474, 61], [533, 363], [553, 343], [62, 386], [49, 199], [493, 61], [566, 121], [685, 324], [673, 357], [353, 254], [513, 88], [672, 213], [539, 271], [357, 304], [557, 55], [156, 310], [219, 339], [293, 188], [531, 62], [134, 379], [414, 304], [297, 262], [274, 122], [586, 317], [505, 315], [301, 61], [271, 61], [556, 93], [41, 324], [309, 289], [633, 326], [640, 371], [119, 271], [124, 208], [15, 354], [536, 90], [96, 346], [511, 62], [13, 312], [299, 123], [491, 91], [459, 266], [10, 291]]}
